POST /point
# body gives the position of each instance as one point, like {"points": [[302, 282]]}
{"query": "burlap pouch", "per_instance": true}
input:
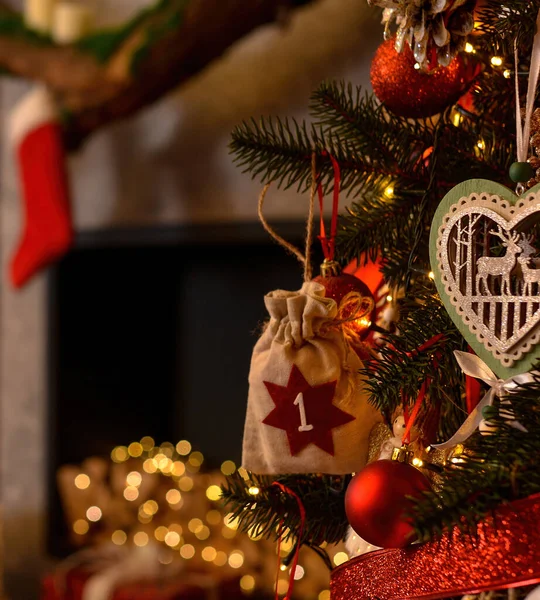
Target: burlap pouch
{"points": [[307, 406]]}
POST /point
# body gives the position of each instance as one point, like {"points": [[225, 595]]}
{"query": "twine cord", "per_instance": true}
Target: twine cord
{"points": [[308, 267], [272, 232], [304, 259]]}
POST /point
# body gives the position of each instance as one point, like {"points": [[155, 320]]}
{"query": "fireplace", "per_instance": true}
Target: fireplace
{"points": [[150, 332]]}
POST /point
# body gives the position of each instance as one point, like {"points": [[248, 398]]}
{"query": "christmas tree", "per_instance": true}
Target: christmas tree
{"points": [[445, 113]]}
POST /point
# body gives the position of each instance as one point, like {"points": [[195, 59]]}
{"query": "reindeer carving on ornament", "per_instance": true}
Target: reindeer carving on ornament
{"points": [[499, 265], [529, 275]]}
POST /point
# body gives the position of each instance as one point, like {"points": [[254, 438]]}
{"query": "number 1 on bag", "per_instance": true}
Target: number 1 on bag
{"points": [[300, 403]]}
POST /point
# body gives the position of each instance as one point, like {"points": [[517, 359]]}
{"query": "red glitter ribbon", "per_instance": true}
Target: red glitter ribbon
{"points": [[302, 510], [329, 244], [505, 553]]}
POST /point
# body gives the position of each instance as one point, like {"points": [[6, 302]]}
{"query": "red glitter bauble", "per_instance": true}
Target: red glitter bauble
{"points": [[338, 286], [409, 92], [376, 502]]}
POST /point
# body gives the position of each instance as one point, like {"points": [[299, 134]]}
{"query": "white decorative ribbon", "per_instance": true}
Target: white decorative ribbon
{"points": [[475, 367], [523, 129], [534, 594]]}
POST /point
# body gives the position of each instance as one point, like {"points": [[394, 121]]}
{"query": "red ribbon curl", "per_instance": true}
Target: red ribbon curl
{"points": [[302, 510]]}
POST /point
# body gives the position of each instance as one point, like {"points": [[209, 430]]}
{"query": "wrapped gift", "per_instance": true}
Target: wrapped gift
{"points": [[73, 585], [109, 573]]}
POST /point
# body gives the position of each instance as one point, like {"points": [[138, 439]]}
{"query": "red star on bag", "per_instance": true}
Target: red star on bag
{"points": [[305, 412]]}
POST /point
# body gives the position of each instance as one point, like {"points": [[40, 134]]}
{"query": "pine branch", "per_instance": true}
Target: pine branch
{"points": [[502, 24], [396, 170], [380, 225], [274, 150], [270, 511], [495, 468], [347, 114], [402, 370]]}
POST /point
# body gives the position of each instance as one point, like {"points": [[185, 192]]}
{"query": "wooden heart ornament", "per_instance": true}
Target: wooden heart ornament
{"points": [[483, 249]]}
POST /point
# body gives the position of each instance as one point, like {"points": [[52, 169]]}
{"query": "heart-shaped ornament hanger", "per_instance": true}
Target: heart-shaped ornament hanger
{"points": [[485, 258]]}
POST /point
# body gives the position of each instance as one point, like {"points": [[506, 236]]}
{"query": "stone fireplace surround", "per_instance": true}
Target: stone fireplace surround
{"points": [[168, 165]]}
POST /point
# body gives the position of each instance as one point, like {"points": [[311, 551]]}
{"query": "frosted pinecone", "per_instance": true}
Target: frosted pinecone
{"points": [[431, 27]]}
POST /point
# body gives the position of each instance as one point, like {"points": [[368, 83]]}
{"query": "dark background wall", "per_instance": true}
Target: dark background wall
{"points": [[151, 333]]}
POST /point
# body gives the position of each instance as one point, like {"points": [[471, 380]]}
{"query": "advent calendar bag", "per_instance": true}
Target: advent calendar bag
{"points": [[307, 407]]}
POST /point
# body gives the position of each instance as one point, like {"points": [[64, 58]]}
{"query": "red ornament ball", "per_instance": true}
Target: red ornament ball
{"points": [[409, 92], [376, 502], [338, 286]]}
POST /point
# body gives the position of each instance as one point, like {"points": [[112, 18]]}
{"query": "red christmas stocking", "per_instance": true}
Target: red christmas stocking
{"points": [[48, 230]]}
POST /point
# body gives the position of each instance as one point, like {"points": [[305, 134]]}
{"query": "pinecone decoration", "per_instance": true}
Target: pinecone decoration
{"points": [[432, 28], [535, 144]]}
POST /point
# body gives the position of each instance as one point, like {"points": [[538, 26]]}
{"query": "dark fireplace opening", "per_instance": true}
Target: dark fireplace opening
{"points": [[151, 333]]}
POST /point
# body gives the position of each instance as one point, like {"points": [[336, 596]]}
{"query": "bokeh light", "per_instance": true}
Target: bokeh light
{"points": [[147, 443], [183, 447], [228, 468], [82, 481], [140, 538], [134, 479], [94, 514], [340, 558], [173, 496], [135, 449], [160, 533], [187, 551], [247, 583], [209, 553], [119, 454], [119, 537], [236, 559], [80, 527], [213, 493]]}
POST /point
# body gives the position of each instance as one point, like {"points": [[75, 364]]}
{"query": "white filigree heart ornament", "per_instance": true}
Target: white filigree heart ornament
{"points": [[485, 259]]}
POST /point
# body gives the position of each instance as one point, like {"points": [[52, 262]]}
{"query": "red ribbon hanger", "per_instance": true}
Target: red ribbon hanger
{"points": [[302, 510], [410, 419], [329, 244]]}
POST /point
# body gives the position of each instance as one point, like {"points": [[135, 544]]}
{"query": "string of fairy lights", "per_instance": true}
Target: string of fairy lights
{"points": [[457, 114], [209, 537]]}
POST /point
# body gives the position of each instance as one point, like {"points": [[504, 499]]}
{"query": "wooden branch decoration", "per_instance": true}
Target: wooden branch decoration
{"points": [[112, 74]]}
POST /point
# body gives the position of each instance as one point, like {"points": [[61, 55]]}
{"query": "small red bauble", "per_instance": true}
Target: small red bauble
{"points": [[409, 92], [337, 286], [376, 502]]}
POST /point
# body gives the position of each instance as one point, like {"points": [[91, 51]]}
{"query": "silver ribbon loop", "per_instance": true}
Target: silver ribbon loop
{"points": [[475, 367]]}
